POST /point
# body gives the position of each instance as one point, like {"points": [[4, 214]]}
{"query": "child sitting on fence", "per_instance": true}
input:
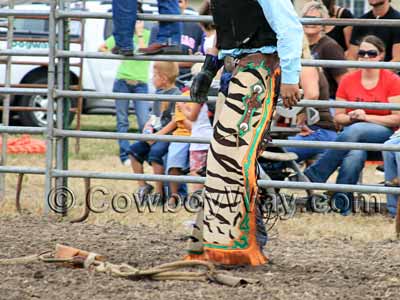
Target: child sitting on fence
{"points": [[160, 123], [178, 156], [201, 127], [172, 121]]}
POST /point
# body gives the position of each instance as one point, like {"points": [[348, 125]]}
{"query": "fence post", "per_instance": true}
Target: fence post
{"points": [[50, 109], [6, 102], [62, 112]]}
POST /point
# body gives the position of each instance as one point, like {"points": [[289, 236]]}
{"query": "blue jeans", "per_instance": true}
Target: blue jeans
{"points": [[319, 134], [392, 170], [351, 162], [169, 31], [142, 110], [124, 20], [154, 153]]}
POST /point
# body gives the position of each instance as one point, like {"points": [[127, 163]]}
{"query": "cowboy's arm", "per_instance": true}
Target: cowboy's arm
{"points": [[283, 20]]}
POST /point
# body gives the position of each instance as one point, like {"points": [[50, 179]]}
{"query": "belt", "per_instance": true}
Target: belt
{"points": [[231, 64], [133, 82]]}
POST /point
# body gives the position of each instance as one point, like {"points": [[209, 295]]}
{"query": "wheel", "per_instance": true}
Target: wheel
{"points": [[318, 203], [37, 118]]}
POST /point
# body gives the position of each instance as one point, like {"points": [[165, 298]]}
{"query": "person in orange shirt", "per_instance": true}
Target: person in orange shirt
{"points": [[167, 119], [178, 153]]}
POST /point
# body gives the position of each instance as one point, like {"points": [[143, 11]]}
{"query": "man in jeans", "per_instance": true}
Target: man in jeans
{"points": [[124, 20], [132, 77]]}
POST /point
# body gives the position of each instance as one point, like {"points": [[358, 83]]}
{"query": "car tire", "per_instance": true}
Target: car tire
{"points": [[37, 118]]}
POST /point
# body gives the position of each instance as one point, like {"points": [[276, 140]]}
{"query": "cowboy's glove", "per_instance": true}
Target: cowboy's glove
{"points": [[202, 81]]}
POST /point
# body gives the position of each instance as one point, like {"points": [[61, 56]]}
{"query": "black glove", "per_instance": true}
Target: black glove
{"points": [[202, 81]]}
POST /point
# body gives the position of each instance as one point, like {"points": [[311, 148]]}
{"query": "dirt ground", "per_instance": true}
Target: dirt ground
{"points": [[312, 265], [312, 256]]}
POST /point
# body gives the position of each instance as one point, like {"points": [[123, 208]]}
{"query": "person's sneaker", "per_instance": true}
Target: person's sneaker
{"points": [[157, 48], [143, 192], [127, 162], [118, 51]]}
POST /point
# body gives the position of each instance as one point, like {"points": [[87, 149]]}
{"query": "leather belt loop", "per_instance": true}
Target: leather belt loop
{"points": [[229, 63]]}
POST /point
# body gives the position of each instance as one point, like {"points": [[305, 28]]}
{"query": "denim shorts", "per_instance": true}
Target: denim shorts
{"points": [[144, 152], [178, 156]]}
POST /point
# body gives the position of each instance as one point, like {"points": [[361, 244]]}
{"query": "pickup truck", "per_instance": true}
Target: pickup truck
{"points": [[97, 75]]}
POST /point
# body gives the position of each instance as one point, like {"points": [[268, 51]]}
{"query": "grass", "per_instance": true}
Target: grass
{"points": [[102, 155]]}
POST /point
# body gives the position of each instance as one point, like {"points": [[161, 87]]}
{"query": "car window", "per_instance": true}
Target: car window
{"points": [[36, 26], [39, 28]]}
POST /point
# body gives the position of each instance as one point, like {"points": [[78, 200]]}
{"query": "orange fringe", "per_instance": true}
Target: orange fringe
{"points": [[233, 257], [249, 256]]}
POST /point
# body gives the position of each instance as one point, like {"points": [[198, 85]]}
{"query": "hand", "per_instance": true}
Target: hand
{"points": [[180, 106], [202, 81], [305, 131], [357, 115], [139, 27], [103, 48], [148, 129], [290, 94], [200, 87]]}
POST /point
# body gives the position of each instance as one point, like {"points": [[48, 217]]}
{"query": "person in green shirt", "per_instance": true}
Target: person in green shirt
{"points": [[132, 77]]}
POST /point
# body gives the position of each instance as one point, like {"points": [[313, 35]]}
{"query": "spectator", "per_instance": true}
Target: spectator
{"points": [[315, 86], [131, 78], [322, 46], [392, 173], [165, 74], [381, 9], [191, 39], [124, 20], [364, 126], [201, 127], [341, 34], [178, 155], [208, 38]]}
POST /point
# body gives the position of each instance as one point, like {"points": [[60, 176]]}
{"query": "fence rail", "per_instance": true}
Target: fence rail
{"points": [[55, 134], [62, 14]]}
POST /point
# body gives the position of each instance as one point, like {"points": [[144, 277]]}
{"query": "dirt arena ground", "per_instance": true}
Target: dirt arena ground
{"points": [[312, 256], [301, 267]]}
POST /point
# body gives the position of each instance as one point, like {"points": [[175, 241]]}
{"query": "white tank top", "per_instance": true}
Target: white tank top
{"points": [[201, 128]]}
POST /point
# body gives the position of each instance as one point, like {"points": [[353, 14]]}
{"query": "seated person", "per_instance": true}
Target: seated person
{"points": [[322, 46], [178, 154], [360, 125], [201, 127], [164, 77], [315, 86], [391, 161]]}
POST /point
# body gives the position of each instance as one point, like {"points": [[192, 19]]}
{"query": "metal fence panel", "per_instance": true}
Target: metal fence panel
{"points": [[56, 92]]}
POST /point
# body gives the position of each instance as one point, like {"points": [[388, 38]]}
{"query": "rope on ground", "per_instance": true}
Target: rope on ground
{"points": [[96, 262]]}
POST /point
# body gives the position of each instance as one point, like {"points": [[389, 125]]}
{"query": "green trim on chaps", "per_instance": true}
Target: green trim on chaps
{"points": [[225, 229]]}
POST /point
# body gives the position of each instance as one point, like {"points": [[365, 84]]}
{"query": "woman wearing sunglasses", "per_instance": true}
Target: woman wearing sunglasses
{"points": [[360, 125]]}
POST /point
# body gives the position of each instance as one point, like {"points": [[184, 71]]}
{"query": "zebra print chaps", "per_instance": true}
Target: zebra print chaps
{"points": [[225, 230]]}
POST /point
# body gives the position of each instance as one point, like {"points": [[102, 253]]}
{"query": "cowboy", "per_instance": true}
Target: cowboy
{"points": [[264, 40]]}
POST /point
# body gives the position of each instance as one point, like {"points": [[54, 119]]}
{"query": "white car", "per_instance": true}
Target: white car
{"points": [[98, 75]]}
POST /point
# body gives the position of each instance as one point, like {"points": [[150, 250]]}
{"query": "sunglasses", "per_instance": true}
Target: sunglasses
{"points": [[369, 53]]}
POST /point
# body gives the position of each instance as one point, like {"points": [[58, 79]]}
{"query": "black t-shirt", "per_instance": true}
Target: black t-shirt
{"points": [[337, 32], [328, 49], [389, 35]]}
